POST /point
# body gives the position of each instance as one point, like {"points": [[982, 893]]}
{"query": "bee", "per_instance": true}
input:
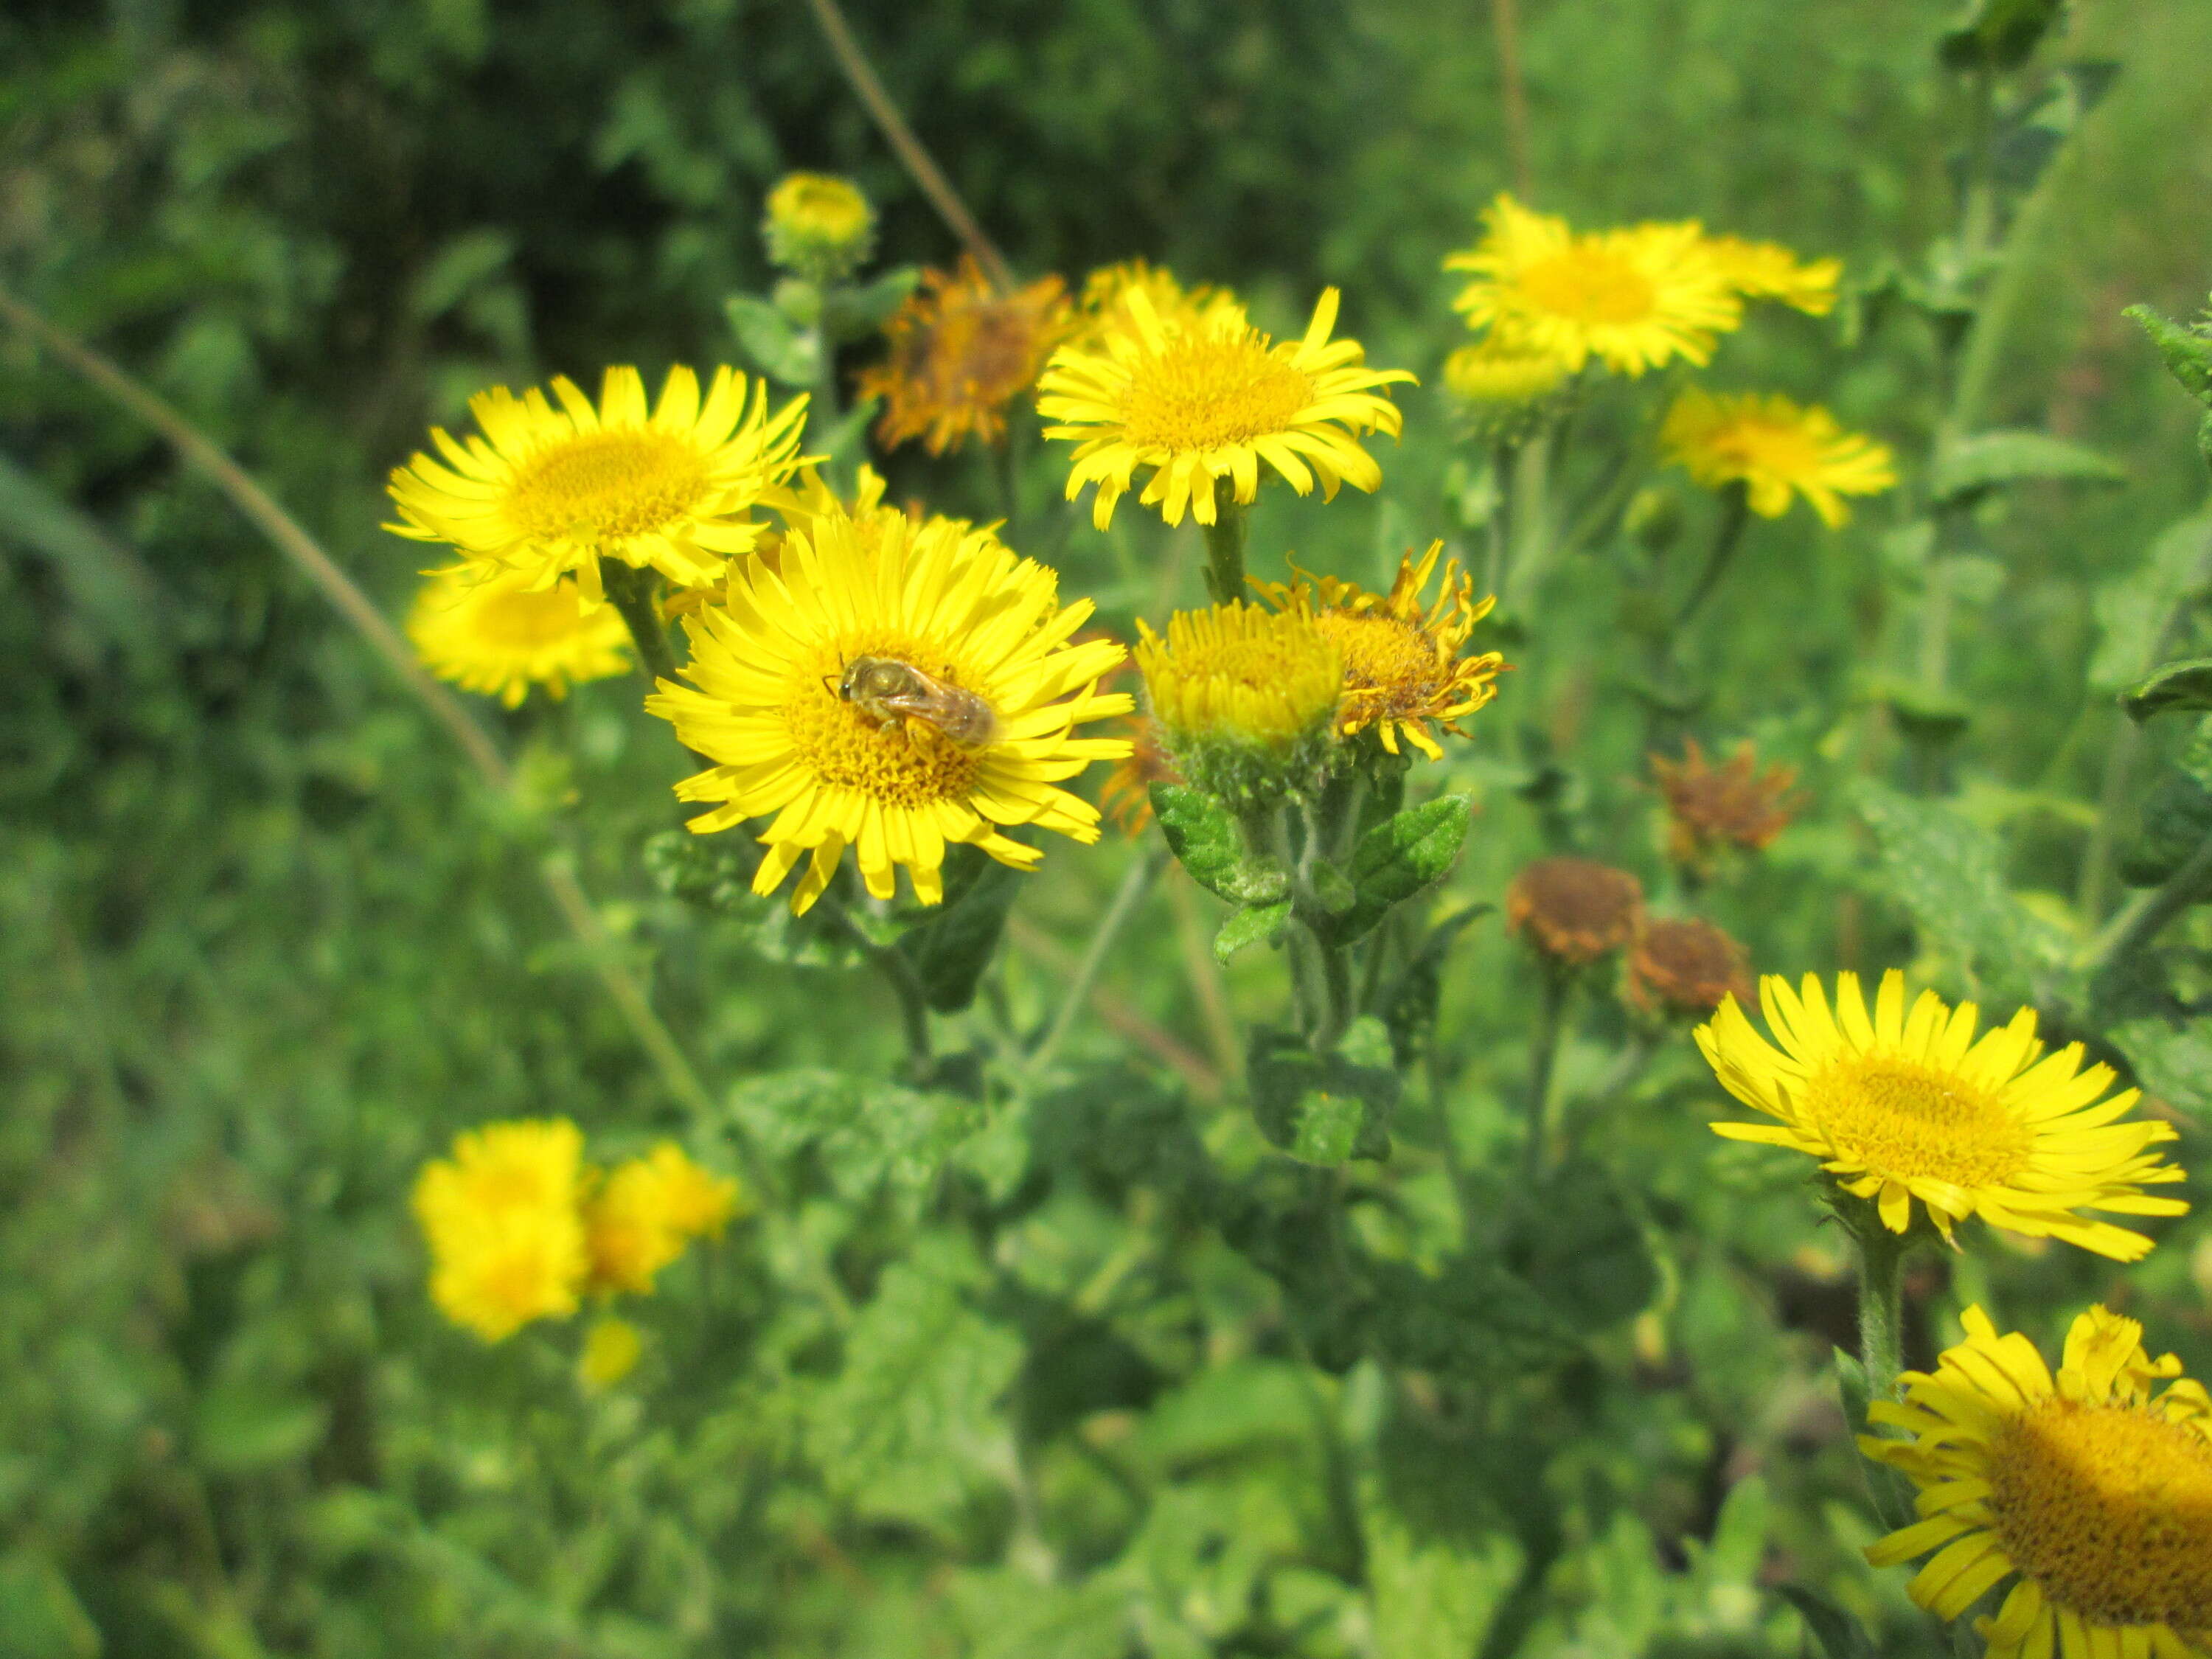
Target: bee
{"points": [[892, 692]]}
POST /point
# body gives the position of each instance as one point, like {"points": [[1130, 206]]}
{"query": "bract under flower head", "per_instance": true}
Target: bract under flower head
{"points": [[1210, 399], [500, 635], [1904, 1108], [1402, 666], [1775, 450], [1634, 298], [960, 352], [543, 491], [951, 604], [2091, 1489]]}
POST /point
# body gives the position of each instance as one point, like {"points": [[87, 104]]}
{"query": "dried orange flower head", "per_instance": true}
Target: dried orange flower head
{"points": [[961, 352], [1681, 967], [1711, 807], [1574, 911]]}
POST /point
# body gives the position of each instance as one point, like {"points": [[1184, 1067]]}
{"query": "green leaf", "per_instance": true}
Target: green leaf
{"points": [[1998, 35], [2134, 611], [1409, 1009], [2174, 1061], [41, 1617], [1325, 1109], [853, 313], [1950, 872], [777, 349], [2177, 819], [1434, 1595], [1840, 1636], [2187, 351], [240, 1427], [1987, 460], [105, 580], [866, 1133], [1576, 1239], [951, 949], [1398, 857], [910, 1424], [2184, 685], [1255, 924], [464, 263], [1202, 835]]}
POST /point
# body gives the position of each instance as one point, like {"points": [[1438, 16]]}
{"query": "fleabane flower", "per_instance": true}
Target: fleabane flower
{"points": [[541, 491], [1635, 299], [1105, 305], [1908, 1107], [1733, 805], [500, 635], [1768, 271], [641, 1213], [1776, 450], [1244, 699], [1207, 398], [500, 1217], [1403, 669], [2091, 1489], [961, 352], [959, 723]]}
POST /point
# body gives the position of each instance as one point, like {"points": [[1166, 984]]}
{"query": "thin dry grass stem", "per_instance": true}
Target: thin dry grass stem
{"points": [[1505, 25], [1032, 941]]}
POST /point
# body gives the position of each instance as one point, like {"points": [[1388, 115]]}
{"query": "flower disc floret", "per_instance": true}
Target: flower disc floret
{"points": [[2092, 1488], [500, 635], [1635, 299], [768, 657], [542, 491], [1776, 450], [1205, 397], [1903, 1107]]}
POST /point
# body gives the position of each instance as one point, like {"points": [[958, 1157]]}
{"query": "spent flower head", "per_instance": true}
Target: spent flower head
{"points": [[1733, 805], [1683, 967], [1574, 911], [818, 227], [961, 352]]}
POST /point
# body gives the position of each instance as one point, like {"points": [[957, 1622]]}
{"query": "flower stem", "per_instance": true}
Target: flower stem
{"points": [[1543, 1055], [629, 589], [1135, 885], [1882, 1305], [1225, 545], [1735, 516]]}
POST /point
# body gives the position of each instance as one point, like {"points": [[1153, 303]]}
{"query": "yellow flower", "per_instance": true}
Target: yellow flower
{"points": [[1211, 397], [644, 1212], [819, 226], [961, 352], [1634, 298], [507, 1245], [1767, 270], [610, 1353], [500, 637], [2092, 1488], [1900, 1108], [1492, 373], [1402, 669], [1773, 448], [1239, 673], [1104, 307], [976, 635], [543, 490]]}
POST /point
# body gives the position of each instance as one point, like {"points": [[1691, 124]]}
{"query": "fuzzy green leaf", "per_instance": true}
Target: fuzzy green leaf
{"points": [[1398, 857], [2185, 685], [777, 349], [951, 950], [866, 1133], [2134, 610], [1840, 1636], [2187, 351], [1202, 836], [2174, 1061], [1998, 35], [1255, 924], [1988, 460], [1325, 1109]]}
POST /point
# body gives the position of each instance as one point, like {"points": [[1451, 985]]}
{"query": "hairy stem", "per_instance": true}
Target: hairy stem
{"points": [[1505, 30], [1543, 1055], [630, 590], [1882, 1304], [1224, 546], [1728, 537]]}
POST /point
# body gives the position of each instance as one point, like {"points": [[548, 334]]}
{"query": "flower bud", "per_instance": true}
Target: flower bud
{"points": [[1246, 699], [818, 227]]}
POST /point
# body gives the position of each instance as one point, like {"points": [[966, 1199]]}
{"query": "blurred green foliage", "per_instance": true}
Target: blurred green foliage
{"points": [[1093, 1372]]}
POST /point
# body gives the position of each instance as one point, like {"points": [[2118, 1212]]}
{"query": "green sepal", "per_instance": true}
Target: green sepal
{"points": [[2187, 349], [1324, 1108], [1397, 859], [1255, 924], [2173, 686], [1976, 465], [779, 350]]}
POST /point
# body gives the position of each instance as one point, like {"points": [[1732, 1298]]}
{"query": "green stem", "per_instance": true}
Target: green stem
{"points": [[1498, 560], [1135, 885], [630, 591], [2144, 920], [1543, 1056], [1224, 544], [913, 1009], [1882, 1305], [1531, 534], [1728, 537]]}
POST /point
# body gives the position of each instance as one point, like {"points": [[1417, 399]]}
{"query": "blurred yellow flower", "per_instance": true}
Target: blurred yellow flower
{"points": [[1904, 1107], [500, 635], [1104, 307], [507, 1243], [543, 491], [819, 225], [1774, 448], [891, 687], [960, 352], [2092, 1488], [1211, 397], [1239, 673], [1402, 667], [643, 1213], [1767, 270], [612, 1348], [1635, 299], [1492, 373]]}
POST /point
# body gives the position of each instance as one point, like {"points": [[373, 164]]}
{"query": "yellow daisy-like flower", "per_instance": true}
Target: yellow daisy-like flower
{"points": [[502, 636], [2092, 1487], [1904, 1107], [1768, 271], [1211, 397], [1492, 373], [542, 491], [1104, 307], [507, 1243], [644, 1212], [1634, 298], [963, 723], [962, 351], [819, 225], [1240, 672], [1774, 449], [1402, 667]]}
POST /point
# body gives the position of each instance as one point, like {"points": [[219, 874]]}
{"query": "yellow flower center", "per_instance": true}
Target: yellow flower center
{"points": [[1384, 655], [1590, 285], [901, 763], [2109, 1509], [605, 486], [1203, 392], [1779, 450], [521, 621], [1902, 1118]]}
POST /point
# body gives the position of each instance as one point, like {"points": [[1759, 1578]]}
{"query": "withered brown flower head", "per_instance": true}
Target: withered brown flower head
{"points": [[961, 352], [1126, 796], [1574, 911], [1682, 968], [1711, 807]]}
